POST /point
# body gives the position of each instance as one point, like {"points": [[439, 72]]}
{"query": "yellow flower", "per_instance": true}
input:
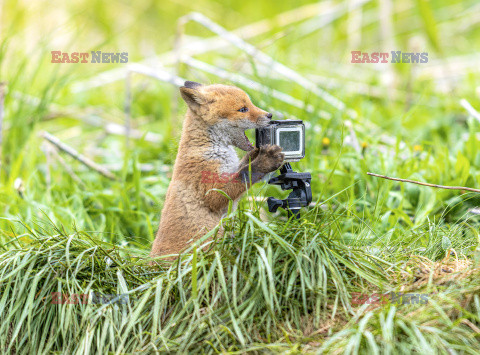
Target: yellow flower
{"points": [[364, 145], [325, 141], [417, 148]]}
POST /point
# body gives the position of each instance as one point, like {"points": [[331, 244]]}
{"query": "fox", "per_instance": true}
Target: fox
{"points": [[215, 122]]}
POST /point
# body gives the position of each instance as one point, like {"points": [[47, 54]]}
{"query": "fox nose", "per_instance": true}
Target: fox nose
{"points": [[269, 116]]}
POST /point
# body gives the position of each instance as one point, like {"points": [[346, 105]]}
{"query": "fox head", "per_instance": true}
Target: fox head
{"points": [[226, 110]]}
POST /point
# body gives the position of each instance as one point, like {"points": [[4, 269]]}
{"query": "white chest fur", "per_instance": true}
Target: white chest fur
{"points": [[221, 149], [227, 157]]}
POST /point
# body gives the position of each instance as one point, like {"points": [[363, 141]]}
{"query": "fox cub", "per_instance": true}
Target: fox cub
{"points": [[216, 120]]}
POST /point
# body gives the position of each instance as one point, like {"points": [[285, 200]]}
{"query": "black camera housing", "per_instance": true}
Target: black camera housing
{"points": [[288, 134]]}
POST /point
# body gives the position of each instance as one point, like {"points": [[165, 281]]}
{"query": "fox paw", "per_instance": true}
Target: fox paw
{"points": [[270, 158], [250, 157]]}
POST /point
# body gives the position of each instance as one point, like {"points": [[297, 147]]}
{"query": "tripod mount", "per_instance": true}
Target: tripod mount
{"points": [[301, 194]]}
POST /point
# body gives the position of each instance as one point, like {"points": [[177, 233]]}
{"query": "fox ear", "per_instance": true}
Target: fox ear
{"points": [[192, 85], [193, 97]]}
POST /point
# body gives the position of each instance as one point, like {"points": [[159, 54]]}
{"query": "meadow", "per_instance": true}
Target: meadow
{"points": [[87, 150]]}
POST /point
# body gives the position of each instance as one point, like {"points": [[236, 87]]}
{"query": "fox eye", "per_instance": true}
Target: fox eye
{"points": [[243, 109]]}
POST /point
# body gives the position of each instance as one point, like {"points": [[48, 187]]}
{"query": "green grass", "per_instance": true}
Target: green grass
{"points": [[270, 284]]}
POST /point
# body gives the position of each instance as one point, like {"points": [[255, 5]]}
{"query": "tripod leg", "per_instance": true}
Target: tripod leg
{"points": [[290, 214], [293, 212]]}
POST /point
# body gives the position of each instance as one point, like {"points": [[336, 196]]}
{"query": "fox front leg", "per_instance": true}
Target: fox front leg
{"points": [[268, 158], [249, 157]]}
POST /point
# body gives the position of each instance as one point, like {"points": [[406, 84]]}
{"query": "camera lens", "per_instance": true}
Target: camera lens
{"points": [[290, 140]]}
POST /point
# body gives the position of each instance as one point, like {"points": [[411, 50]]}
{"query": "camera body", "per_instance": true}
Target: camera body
{"points": [[288, 134]]}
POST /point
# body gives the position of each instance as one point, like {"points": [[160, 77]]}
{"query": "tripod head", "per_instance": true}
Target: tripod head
{"points": [[301, 194]]}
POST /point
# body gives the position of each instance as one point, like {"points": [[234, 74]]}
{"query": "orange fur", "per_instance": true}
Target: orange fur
{"points": [[213, 124]]}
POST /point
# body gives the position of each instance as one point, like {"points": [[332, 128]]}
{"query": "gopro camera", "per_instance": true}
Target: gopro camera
{"points": [[288, 134]]}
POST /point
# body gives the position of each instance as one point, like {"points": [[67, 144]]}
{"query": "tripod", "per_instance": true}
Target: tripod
{"points": [[300, 196]]}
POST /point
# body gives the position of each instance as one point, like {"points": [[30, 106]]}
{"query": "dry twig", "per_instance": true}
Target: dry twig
{"points": [[76, 155], [239, 79], [426, 183], [269, 61], [467, 106], [204, 45], [67, 167], [89, 116]]}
